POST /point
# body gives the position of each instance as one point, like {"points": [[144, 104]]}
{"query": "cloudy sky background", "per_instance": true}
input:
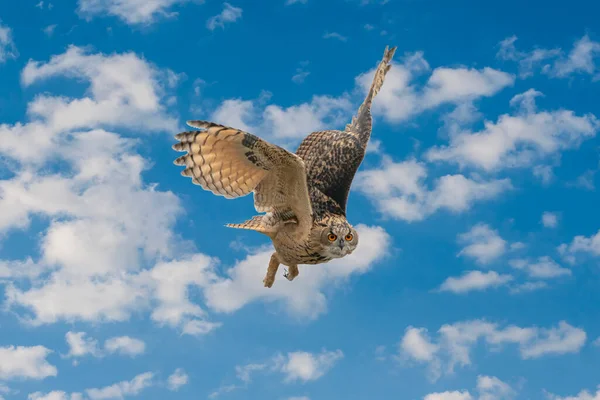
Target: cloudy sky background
{"points": [[477, 272]]}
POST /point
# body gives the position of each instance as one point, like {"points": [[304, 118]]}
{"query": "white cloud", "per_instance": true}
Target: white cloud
{"points": [[456, 85], [132, 12], [80, 346], [544, 268], [401, 98], [528, 287], [125, 91], [483, 243], [177, 379], [550, 219], [417, 345], [305, 296], [581, 244], [295, 366], [517, 140], [455, 395], [122, 389], [583, 395], [290, 2], [561, 340], [55, 395], [49, 30], [172, 280], [8, 50], [492, 388], [473, 281], [105, 223], [229, 15], [304, 366], [287, 123], [398, 100], [455, 341], [488, 387], [335, 35], [125, 345], [553, 62], [22, 362], [399, 191], [528, 61], [301, 73]]}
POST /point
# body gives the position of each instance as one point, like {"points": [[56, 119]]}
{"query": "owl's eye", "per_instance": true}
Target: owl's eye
{"points": [[349, 237], [332, 237]]}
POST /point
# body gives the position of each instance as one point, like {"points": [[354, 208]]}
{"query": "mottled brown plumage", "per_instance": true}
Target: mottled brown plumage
{"points": [[303, 195]]}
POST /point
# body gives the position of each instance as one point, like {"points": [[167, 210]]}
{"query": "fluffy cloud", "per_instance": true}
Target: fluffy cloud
{"points": [[583, 395], [305, 296], [304, 366], [229, 15], [55, 395], [544, 268], [517, 140], [8, 50], [455, 341], [105, 224], [492, 388], [401, 98], [295, 366], [474, 281], [549, 219], [398, 100], [177, 379], [80, 346], [482, 243], [22, 362], [121, 389], [553, 62], [488, 387], [398, 190], [455, 395], [284, 123], [580, 244], [125, 345], [132, 12]]}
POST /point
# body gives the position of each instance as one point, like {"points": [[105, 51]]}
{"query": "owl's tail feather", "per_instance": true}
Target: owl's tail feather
{"points": [[362, 122], [263, 224]]}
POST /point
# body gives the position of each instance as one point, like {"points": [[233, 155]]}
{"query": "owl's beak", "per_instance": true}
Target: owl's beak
{"points": [[341, 245]]}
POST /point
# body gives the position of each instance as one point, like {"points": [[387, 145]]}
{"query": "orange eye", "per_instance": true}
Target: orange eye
{"points": [[331, 237], [349, 237]]}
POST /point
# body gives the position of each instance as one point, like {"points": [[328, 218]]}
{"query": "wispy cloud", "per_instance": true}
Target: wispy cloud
{"points": [[334, 35], [229, 15]]}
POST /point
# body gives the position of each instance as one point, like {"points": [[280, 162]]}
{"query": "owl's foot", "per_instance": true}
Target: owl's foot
{"points": [[292, 273], [271, 271], [268, 281]]}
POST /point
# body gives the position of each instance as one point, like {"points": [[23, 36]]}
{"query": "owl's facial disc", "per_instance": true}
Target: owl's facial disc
{"points": [[339, 240]]}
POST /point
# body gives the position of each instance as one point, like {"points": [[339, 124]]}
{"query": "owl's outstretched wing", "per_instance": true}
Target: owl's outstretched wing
{"points": [[333, 157], [233, 163]]}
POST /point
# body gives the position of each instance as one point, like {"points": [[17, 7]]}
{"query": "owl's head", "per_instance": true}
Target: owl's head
{"points": [[338, 238]]}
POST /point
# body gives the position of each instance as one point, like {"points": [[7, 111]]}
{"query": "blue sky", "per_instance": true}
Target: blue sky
{"points": [[477, 272]]}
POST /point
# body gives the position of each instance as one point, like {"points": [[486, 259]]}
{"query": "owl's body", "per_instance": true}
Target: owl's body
{"points": [[303, 195]]}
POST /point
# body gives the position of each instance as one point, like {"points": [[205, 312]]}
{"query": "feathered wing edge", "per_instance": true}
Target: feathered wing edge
{"points": [[362, 122]]}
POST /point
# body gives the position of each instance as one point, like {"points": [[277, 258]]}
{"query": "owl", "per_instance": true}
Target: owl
{"points": [[302, 196]]}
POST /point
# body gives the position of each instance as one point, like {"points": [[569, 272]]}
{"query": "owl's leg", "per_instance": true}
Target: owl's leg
{"points": [[271, 271], [292, 273]]}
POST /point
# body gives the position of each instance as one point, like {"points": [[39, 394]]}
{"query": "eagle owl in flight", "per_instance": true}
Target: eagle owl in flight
{"points": [[303, 196]]}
